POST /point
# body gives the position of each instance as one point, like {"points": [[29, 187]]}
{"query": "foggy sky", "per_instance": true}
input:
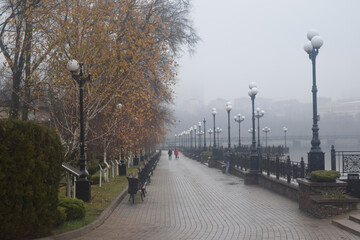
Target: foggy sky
{"points": [[262, 41]]}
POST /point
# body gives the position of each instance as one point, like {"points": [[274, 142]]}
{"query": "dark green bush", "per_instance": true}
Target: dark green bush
{"points": [[30, 167], [93, 168], [206, 154], [60, 216], [95, 178], [75, 208], [324, 175]]}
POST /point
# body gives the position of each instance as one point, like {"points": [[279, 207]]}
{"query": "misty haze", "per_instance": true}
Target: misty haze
{"points": [[263, 42]]}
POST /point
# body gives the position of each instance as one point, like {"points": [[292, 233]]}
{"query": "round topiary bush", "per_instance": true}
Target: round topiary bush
{"points": [[95, 178], [324, 175], [60, 216], [30, 168], [74, 208]]}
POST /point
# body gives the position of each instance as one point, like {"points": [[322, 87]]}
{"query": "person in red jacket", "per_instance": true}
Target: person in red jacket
{"points": [[176, 154]]}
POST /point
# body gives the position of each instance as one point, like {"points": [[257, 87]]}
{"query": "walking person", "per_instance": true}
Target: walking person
{"points": [[170, 154], [176, 152]]}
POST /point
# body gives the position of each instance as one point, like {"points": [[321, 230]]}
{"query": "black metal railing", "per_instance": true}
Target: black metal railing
{"points": [[345, 161], [277, 165], [274, 165]]}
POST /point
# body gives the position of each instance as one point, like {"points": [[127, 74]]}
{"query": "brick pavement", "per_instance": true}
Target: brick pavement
{"points": [[187, 200]]}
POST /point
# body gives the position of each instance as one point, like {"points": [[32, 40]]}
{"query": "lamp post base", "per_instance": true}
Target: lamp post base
{"points": [[83, 189], [316, 160]]}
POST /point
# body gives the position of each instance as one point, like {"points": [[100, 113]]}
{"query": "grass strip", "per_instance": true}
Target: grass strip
{"points": [[101, 199]]}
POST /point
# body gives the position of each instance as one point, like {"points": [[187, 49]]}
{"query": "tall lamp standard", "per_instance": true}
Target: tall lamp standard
{"points": [[239, 118], [185, 139], [254, 158], [205, 134], [191, 138], [258, 115], [195, 128], [285, 130], [315, 156], [187, 132], [200, 134], [83, 189], [218, 131], [214, 113], [228, 109], [210, 131], [266, 130], [175, 140]]}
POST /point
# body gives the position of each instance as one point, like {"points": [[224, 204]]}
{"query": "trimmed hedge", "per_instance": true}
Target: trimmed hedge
{"points": [[324, 175], [30, 167], [74, 208]]}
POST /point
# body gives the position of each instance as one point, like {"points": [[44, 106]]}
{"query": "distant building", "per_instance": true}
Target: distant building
{"points": [[346, 107]]}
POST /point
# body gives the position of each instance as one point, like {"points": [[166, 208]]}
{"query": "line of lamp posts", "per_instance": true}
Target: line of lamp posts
{"points": [[315, 155], [188, 138]]}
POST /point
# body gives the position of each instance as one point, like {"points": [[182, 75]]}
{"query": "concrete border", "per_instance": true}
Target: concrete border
{"points": [[101, 219]]}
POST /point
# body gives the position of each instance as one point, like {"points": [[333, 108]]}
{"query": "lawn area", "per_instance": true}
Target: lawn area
{"points": [[101, 199]]}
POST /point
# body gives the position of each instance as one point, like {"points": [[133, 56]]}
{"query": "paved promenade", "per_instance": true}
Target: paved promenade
{"points": [[187, 200]]}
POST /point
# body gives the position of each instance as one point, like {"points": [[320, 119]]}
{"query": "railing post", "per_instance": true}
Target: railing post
{"points": [[246, 162], [288, 172], [268, 164], [277, 167], [333, 158], [302, 168]]}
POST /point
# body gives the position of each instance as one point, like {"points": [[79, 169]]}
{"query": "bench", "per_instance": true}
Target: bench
{"points": [[134, 187]]}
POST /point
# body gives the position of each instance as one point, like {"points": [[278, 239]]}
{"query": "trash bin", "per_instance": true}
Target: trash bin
{"points": [[136, 161], [353, 186], [122, 169]]}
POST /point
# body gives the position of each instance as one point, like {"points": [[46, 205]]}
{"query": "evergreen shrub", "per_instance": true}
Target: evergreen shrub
{"points": [[324, 175], [74, 208], [30, 168], [60, 216], [93, 168], [95, 178], [206, 154]]}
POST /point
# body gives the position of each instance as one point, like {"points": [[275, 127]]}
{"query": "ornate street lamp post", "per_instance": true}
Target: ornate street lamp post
{"points": [[258, 115], [239, 118], [285, 130], [191, 138], [315, 156], [228, 109], [83, 189], [195, 128], [214, 113], [175, 140], [205, 134], [266, 130], [218, 131], [254, 158], [188, 139], [200, 134], [210, 131]]}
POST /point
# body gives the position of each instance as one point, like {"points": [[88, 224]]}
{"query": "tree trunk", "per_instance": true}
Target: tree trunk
{"points": [[27, 84], [15, 100]]}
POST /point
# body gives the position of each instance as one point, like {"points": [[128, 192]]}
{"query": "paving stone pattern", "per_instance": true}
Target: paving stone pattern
{"points": [[187, 200]]}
